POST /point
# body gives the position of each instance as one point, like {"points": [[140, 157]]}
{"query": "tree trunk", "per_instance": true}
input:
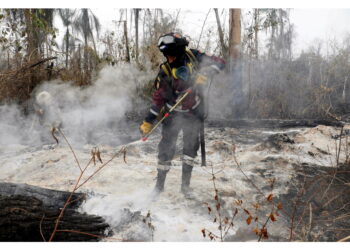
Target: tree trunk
{"points": [[28, 213], [79, 58], [8, 60], [256, 30], [221, 35], [86, 62], [235, 34], [127, 57], [272, 46], [344, 90], [235, 64], [67, 46], [281, 51], [32, 41], [33, 54], [137, 35], [79, 65]]}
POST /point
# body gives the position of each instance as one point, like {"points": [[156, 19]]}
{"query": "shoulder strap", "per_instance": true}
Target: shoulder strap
{"points": [[166, 68], [192, 58]]}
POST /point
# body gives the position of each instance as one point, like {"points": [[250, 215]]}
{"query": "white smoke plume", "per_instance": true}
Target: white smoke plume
{"points": [[90, 115]]}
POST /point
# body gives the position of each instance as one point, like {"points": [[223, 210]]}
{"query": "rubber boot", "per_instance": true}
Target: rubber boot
{"points": [[186, 178], [160, 181]]}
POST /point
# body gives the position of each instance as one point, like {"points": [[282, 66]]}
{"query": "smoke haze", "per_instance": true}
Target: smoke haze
{"points": [[93, 114]]}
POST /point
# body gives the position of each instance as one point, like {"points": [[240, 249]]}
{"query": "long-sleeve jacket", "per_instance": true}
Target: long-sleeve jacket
{"points": [[169, 86]]}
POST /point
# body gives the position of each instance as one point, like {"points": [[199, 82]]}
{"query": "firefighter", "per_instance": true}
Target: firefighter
{"points": [[184, 69]]}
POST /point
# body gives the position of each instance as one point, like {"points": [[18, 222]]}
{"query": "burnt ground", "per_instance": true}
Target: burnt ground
{"points": [[317, 204], [301, 156]]}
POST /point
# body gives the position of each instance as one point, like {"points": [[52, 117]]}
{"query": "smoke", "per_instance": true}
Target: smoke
{"points": [[90, 115], [10, 124]]}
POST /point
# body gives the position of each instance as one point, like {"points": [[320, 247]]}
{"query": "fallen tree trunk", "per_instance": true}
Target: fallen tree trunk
{"points": [[28, 213], [50, 198]]}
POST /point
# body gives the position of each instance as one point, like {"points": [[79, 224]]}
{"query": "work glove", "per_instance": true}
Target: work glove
{"points": [[145, 128]]}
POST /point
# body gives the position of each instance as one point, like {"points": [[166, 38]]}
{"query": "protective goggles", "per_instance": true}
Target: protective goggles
{"points": [[165, 40]]}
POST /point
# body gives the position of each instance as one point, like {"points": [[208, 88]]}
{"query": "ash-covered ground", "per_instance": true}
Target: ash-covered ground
{"points": [[121, 192]]}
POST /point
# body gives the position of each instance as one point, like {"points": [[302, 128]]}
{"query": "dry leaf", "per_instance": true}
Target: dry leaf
{"points": [[98, 154], [249, 220], [256, 205], [272, 217], [209, 210], [247, 212], [270, 197], [264, 233], [238, 202], [256, 231], [203, 232]]}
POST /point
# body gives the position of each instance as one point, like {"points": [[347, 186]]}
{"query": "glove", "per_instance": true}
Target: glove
{"points": [[145, 128], [201, 79]]}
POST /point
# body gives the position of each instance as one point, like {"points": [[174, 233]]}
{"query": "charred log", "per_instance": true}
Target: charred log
{"points": [[49, 197], [28, 213]]}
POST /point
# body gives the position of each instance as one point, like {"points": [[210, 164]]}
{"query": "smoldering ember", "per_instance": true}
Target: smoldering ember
{"points": [[144, 131]]}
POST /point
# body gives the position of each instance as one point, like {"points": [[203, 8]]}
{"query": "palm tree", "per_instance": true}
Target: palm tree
{"points": [[67, 19], [85, 23]]}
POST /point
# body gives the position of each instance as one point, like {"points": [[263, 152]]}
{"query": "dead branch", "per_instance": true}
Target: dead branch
{"points": [[78, 184], [344, 239], [70, 147], [41, 61]]}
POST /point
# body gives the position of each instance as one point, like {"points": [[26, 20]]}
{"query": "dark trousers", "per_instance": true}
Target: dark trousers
{"points": [[190, 124]]}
